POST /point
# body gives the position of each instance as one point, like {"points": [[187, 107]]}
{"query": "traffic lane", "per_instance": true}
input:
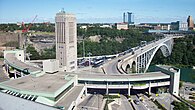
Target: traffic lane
{"points": [[166, 100], [125, 104], [92, 102], [139, 106], [111, 68], [149, 104]]}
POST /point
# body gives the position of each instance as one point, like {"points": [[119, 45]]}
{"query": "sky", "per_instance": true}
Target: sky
{"points": [[97, 11]]}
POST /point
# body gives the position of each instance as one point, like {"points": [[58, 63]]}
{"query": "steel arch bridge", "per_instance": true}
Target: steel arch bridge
{"points": [[140, 61]]}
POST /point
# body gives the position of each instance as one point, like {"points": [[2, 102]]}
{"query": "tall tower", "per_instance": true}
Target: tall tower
{"points": [[124, 18], [66, 41], [129, 17], [190, 22]]}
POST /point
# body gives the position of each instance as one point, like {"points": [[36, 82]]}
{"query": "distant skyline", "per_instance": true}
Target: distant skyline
{"points": [[97, 11]]}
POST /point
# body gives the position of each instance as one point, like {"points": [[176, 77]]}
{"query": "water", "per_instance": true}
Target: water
{"points": [[187, 74]]}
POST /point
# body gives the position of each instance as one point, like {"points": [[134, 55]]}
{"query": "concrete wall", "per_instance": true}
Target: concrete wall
{"points": [[175, 78], [18, 53]]}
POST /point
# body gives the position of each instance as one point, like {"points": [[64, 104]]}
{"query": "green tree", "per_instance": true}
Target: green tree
{"points": [[34, 54], [179, 106]]}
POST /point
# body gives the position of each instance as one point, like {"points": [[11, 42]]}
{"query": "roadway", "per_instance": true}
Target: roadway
{"points": [[165, 100], [92, 102], [139, 106], [148, 103], [125, 104], [110, 66]]}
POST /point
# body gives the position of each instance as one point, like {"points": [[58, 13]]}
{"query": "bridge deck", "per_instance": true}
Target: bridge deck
{"points": [[13, 61], [123, 77]]}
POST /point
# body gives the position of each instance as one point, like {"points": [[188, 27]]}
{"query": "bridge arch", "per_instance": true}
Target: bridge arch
{"points": [[128, 68], [133, 67], [165, 49]]}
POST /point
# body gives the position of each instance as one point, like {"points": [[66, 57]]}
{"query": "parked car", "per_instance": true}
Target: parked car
{"points": [[136, 102]]}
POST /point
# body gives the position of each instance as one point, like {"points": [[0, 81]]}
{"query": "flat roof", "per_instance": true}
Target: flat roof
{"points": [[47, 83], [124, 77], [9, 102], [71, 96], [13, 61]]}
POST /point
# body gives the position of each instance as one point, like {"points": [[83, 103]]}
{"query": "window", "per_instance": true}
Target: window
{"points": [[72, 67], [72, 62]]}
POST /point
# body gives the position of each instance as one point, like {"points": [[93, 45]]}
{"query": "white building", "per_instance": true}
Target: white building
{"points": [[183, 26], [66, 41], [120, 26]]}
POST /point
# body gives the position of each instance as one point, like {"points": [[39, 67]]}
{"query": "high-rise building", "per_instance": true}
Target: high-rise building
{"points": [[66, 41], [130, 18], [190, 22], [124, 17]]}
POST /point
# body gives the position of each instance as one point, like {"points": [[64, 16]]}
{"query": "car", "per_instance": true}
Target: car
{"points": [[136, 102]]}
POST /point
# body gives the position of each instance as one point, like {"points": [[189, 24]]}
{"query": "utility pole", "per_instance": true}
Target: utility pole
{"points": [[83, 47]]}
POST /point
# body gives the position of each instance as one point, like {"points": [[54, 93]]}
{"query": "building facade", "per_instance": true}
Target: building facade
{"points": [[190, 23], [121, 26], [179, 25], [66, 41]]}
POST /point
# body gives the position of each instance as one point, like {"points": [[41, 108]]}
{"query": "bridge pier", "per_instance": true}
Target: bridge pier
{"points": [[15, 74], [107, 92], [21, 74], [129, 89], [149, 88], [85, 89]]}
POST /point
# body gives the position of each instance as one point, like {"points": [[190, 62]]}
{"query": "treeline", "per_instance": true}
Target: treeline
{"points": [[108, 43], [110, 32], [36, 27], [182, 55], [45, 54]]}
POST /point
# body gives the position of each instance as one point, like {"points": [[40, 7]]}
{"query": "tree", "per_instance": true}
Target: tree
{"points": [[179, 106], [180, 84], [35, 55]]}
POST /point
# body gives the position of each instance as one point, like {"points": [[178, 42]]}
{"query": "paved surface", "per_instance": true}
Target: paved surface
{"points": [[9, 102], [92, 102], [149, 104], [11, 59], [139, 106], [165, 100], [185, 90], [48, 83], [111, 67], [71, 96], [128, 77], [3, 76], [125, 104]]}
